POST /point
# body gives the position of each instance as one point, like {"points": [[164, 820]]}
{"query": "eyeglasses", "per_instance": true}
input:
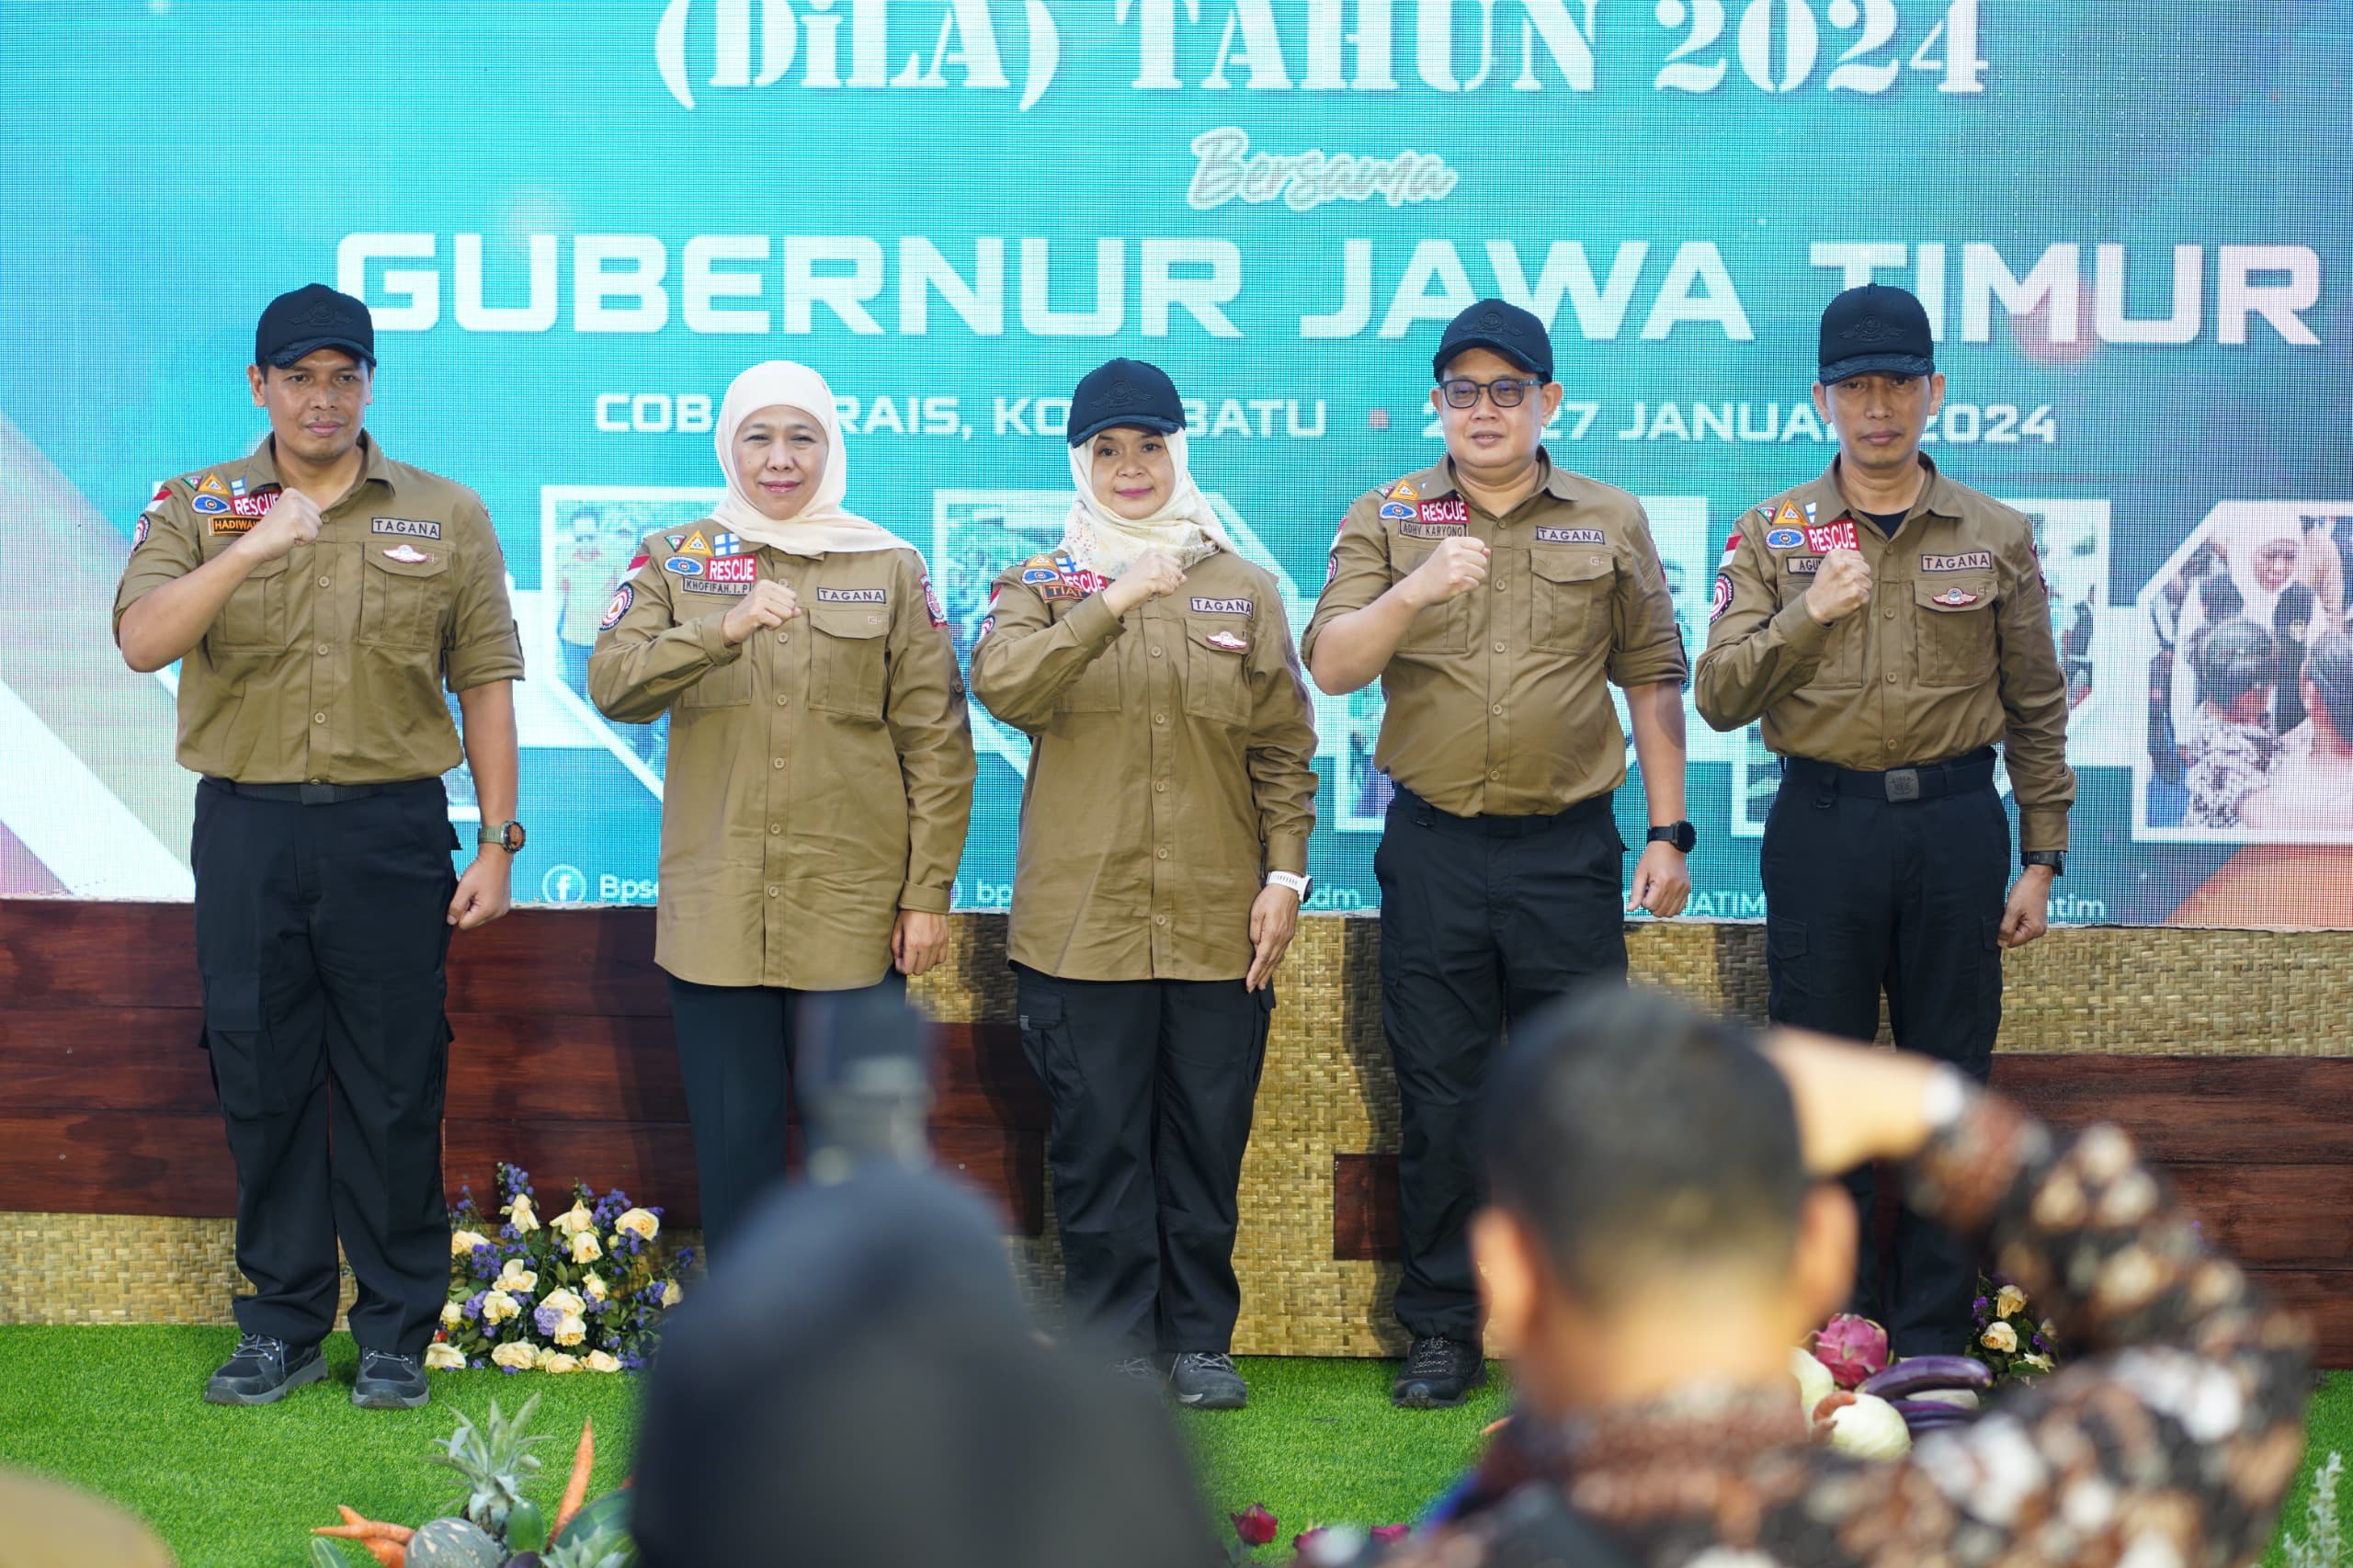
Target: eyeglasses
{"points": [[1509, 391]]}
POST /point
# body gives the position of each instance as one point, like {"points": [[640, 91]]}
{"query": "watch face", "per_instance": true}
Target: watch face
{"points": [[512, 837]]}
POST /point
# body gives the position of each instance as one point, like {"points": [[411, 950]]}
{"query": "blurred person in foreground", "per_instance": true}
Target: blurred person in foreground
{"points": [[45, 1523], [1667, 1224]]}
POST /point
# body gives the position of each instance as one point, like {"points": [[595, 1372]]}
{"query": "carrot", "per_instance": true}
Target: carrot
{"points": [[575, 1491], [364, 1529]]}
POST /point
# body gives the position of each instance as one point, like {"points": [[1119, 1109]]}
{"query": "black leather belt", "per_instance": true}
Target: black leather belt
{"points": [[1428, 816], [307, 794], [1929, 782]]}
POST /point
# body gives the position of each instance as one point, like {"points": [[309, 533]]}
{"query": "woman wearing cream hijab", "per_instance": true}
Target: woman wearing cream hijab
{"points": [[1163, 853], [820, 775]]}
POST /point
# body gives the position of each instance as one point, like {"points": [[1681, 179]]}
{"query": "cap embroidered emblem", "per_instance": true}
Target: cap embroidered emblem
{"points": [[1870, 330]]}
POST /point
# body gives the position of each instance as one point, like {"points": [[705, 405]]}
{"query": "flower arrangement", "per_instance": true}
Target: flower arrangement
{"points": [[579, 1291], [2009, 1340], [1254, 1527]]}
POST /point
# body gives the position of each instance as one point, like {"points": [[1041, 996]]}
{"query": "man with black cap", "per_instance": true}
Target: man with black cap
{"points": [[1493, 596], [1890, 625], [318, 597]]}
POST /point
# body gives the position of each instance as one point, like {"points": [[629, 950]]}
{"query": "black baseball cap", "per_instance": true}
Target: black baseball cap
{"points": [[1124, 392], [1875, 328], [310, 318], [1511, 331]]}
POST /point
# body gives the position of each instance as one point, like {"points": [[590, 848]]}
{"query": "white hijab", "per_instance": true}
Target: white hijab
{"points": [[823, 526], [1105, 542]]}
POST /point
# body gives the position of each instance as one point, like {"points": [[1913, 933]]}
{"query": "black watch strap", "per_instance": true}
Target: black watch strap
{"points": [[1682, 834], [2054, 859]]}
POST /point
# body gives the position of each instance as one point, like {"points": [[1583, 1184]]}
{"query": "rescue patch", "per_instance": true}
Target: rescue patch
{"points": [[1967, 560], [139, 532], [703, 585], [1956, 598], [684, 565], [211, 503], [1832, 536], [931, 602], [407, 555], [1220, 607], [623, 596], [1803, 565], [227, 524], [1571, 536], [258, 503], [1785, 538], [1448, 509], [412, 528], [744, 569], [1227, 641], [853, 595], [1395, 511], [1721, 600]]}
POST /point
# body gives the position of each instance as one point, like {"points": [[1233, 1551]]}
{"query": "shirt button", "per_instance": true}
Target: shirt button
{"points": [[1891, 744], [326, 582], [1160, 718], [318, 718], [783, 637], [1156, 653], [1500, 585], [771, 891], [774, 828], [1160, 786], [1161, 853], [324, 649], [1160, 920], [1495, 773], [1891, 615], [1498, 707], [1499, 647], [778, 763], [1891, 677], [779, 700]]}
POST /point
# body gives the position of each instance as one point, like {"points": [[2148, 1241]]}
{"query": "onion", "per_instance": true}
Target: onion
{"points": [[1869, 1428], [1815, 1381]]}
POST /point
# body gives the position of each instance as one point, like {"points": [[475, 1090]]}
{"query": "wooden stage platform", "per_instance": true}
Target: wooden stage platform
{"points": [[2225, 1053]]}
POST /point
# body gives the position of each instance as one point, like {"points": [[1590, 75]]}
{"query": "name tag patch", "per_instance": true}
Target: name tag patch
{"points": [[227, 524], [411, 527], [744, 569], [1571, 536], [1220, 607], [1967, 560], [853, 595], [1828, 536], [704, 585], [1803, 565]]}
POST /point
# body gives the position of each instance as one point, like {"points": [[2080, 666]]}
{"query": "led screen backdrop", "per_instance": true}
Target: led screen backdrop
{"points": [[576, 221]]}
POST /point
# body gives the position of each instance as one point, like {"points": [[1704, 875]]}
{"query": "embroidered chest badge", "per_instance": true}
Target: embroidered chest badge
{"points": [[1956, 598], [407, 555], [1228, 642]]}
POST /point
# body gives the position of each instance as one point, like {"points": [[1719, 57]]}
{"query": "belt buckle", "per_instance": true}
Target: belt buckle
{"points": [[317, 794], [1903, 783]]}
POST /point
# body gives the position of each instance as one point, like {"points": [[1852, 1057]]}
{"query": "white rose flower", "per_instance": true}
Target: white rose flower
{"points": [[497, 1306], [601, 1361], [453, 1315], [570, 1329], [563, 1300], [639, 1221], [2008, 1302], [462, 1243], [2041, 1363], [557, 1362], [440, 1357], [2000, 1336], [672, 1295], [519, 1214], [520, 1355], [575, 1219], [516, 1279], [594, 1283], [584, 1247]]}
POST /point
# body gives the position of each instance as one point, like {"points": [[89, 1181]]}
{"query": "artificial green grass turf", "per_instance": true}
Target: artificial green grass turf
{"points": [[119, 1411]]}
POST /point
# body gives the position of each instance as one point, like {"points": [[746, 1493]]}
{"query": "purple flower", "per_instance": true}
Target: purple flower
{"points": [[473, 1306], [1979, 1306], [548, 1318]]}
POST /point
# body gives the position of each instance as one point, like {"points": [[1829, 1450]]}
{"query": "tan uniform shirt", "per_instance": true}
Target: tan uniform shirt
{"points": [[1952, 650], [819, 777], [1496, 706], [326, 665], [1172, 767]]}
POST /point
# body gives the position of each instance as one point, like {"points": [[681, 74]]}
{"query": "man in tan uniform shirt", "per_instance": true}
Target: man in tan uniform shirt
{"points": [[318, 597], [1495, 596], [1889, 625]]}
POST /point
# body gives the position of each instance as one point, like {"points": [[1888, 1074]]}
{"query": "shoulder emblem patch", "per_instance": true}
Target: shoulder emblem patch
{"points": [[623, 596]]}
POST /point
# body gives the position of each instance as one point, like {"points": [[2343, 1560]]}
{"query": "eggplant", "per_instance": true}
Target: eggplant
{"points": [[1910, 1377], [1924, 1415]]}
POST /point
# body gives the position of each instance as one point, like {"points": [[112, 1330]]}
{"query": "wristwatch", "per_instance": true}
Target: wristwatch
{"points": [[2054, 859], [507, 835], [1682, 834], [1292, 881]]}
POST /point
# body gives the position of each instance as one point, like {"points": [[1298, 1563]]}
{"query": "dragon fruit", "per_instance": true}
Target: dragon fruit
{"points": [[1852, 1347]]}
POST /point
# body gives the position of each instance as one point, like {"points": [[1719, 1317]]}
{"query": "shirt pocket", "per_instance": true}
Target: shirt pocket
{"points": [[405, 604], [256, 613], [1953, 630], [1569, 603], [1217, 674], [849, 673], [1437, 629]]}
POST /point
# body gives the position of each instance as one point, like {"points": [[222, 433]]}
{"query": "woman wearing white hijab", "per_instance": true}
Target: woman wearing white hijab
{"points": [[1164, 856], [820, 775]]}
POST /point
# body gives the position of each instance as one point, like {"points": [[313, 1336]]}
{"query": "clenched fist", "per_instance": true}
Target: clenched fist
{"points": [[1155, 575], [292, 519], [768, 603], [1453, 569], [1841, 587]]}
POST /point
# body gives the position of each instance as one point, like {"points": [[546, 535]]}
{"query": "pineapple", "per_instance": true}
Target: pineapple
{"points": [[495, 1462]]}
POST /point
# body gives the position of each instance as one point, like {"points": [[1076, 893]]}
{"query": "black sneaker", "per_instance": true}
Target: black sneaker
{"points": [[387, 1382], [1438, 1374], [1204, 1379], [1136, 1370], [263, 1370]]}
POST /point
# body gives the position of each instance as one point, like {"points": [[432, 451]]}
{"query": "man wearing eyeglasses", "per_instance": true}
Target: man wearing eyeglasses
{"points": [[1890, 625], [1493, 596]]}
